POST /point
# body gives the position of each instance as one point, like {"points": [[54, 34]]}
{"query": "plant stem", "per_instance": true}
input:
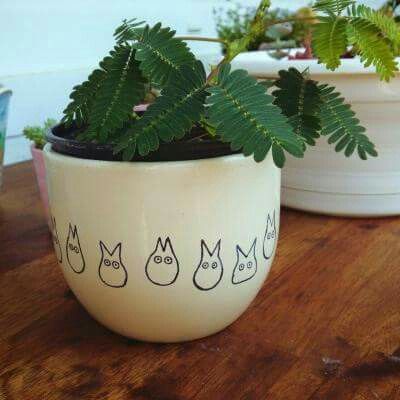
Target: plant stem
{"points": [[238, 46], [214, 70], [256, 26], [202, 39]]}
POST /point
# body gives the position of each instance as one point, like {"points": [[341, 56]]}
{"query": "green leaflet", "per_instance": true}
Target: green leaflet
{"points": [[330, 40], [332, 6], [180, 105], [244, 116], [299, 99], [121, 89], [128, 30], [371, 46], [159, 53], [385, 24], [82, 97], [375, 36], [339, 123]]}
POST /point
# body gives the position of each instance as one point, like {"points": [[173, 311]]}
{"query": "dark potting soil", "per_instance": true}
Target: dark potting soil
{"points": [[194, 146]]}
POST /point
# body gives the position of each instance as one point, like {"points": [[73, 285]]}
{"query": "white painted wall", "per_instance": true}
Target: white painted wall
{"points": [[48, 46]]}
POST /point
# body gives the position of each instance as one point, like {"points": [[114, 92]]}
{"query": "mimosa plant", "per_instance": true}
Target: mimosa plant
{"points": [[282, 115]]}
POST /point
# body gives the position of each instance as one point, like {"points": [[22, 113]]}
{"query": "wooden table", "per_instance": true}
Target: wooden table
{"points": [[326, 324]]}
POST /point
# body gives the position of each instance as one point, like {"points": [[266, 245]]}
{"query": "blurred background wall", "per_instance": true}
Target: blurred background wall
{"points": [[48, 46]]}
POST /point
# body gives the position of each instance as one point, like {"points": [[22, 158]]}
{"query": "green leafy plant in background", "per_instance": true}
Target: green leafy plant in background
{"points": [[232, 22], [37, 133], [374, 36], [391, 8], [285, 115]]}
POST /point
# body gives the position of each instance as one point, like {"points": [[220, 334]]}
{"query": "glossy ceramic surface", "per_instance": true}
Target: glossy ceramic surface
{"points": [[326, 181], [164, 251]]}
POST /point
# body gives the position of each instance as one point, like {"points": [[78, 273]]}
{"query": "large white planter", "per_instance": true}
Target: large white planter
{"points": [[328, 182], [164, 251]]}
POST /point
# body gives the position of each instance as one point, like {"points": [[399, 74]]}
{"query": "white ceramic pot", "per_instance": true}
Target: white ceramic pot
{"points": [[328, 182], [164, 251]]}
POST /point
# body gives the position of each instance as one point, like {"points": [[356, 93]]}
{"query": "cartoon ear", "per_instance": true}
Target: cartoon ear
{"points": [[102, 247], [269, 220], [73, 230], [253, 247], [167, 244], [203, 248], [217, 247], [118, 249], [239, 250], [159, 244]]}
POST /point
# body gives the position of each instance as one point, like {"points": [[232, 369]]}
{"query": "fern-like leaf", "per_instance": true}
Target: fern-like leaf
{"points": [[121, 89], [128, 30], [332, 7], [245, 117], [82, 97], [299, 99], [180, 105], [386, 25], [372, 47], [330, 40], [339, 123], [159, 52]]}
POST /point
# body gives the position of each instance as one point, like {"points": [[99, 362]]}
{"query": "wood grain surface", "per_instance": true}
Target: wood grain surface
{"points": [[325, 326]]}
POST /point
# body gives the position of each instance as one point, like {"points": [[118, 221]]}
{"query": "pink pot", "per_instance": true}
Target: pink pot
{"points": [[38, 162]]}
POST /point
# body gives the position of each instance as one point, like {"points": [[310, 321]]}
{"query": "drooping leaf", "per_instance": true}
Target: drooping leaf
{"points": [[159, 52], [330, 40], [245, 117], [128, 30], [386, 25], [82, 97], [121, 89], [332, 6], [173, 114], [372, 47], [278, 155], [339, 123], [299, 99]]}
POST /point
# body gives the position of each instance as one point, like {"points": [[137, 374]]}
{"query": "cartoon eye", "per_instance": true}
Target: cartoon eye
{"points": [[204, 265], [71, 247], [168, 260], [241, 267], [268, 236], [107, 262], [76, 249], [249, 264], [273, 234], [214, 265], [157, 259], [115, 264]]}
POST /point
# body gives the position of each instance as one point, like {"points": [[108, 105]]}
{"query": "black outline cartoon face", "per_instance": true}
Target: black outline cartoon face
{"points": [[112, 271], [270, 237], [210, 269], [246, 264], [162, 266], [74, 251], [56, 240]]}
